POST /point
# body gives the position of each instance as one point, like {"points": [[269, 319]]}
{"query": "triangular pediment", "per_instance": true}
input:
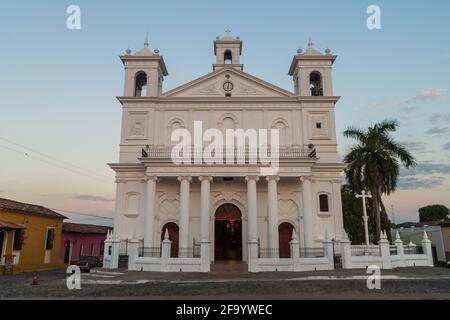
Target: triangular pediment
{"points": [[217, 84]]}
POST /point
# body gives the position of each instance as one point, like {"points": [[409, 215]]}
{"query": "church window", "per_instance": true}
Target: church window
{"points": [[319, 125], [140, 88], [228, 123], [323, 203], [315, 84], [282, 126], [227, 57]]}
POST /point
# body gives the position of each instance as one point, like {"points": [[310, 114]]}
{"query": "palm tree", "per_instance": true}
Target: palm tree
{"points": [[374, 163]]}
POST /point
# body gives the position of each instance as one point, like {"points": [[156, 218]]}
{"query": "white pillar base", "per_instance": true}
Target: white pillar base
{"points": [[253, 256], [205, 261]]}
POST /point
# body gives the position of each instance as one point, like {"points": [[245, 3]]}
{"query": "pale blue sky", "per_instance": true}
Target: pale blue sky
{"points": [[58, 87]]}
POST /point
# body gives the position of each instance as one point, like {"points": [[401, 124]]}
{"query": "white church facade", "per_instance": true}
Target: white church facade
{"points": [[172, 217]]}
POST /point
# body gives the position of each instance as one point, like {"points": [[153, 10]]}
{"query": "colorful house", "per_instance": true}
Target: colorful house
{"points": [[30, 237], [82, 239], [438, 232]]}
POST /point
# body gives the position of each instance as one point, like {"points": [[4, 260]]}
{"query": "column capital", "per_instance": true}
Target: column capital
{"points": [[187, 178], [252, 177], [205, 177], [275, 178], [304, 178], [151, 177]]}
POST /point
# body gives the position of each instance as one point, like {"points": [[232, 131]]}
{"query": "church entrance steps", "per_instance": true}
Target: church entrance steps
{"points": [[231, 266]]}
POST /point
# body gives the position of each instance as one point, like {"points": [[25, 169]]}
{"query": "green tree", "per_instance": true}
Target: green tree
{"points": [[434, 212], [353, 217], [352, 214], [374, 164]]}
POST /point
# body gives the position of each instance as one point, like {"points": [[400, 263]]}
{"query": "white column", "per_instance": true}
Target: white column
{"points": [[272, 196], [205, 206], [204, 224], [252, 216], [184, 212], [307, 211], [337, 208], [149, 211], [118, 211], [252, 208]]}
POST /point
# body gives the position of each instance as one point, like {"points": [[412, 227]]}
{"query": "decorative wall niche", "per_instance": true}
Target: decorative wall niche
{"points": [[319, 125], [137, 126], [132, 200]]}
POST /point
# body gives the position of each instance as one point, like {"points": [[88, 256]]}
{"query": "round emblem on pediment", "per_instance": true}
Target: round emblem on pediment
{"points": [[228, 86]]}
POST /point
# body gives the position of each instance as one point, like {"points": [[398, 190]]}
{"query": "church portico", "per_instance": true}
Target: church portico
{"points": [[192, 203]]}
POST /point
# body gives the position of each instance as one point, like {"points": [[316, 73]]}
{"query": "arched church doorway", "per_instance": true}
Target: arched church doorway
{"points": [[284, 237], [228, 233], [173, 236]]}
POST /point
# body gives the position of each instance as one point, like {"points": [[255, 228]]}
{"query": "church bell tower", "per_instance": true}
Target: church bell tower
{"points": [[312, 72], [228, 50], [144, 72]]}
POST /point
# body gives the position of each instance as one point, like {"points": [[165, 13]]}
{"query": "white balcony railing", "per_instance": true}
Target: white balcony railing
{"points": [[248, 155]]}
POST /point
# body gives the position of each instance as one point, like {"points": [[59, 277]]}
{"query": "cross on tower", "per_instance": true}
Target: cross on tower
{"points": [[364, 195]]}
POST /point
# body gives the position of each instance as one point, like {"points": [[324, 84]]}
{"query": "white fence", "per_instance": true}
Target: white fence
{"points": [[387, 256], [301, 259], [384, 255]]}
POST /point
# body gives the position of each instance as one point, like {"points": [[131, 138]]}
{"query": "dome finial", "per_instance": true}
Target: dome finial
{"points": [[310, 43], [146, 40]]}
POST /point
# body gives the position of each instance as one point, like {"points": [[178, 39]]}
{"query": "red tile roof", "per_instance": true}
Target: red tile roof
{"points": [[10, 225], [11, 205], [84, 228]]}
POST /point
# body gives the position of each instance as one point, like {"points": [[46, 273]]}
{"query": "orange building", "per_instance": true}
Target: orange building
{"points": [[30, 237]]}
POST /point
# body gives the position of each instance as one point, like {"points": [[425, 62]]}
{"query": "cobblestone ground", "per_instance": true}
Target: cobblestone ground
{"points": [[402, 283]]}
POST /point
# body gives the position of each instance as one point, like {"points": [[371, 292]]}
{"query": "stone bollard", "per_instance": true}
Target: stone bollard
{"points": [[294, 244], [385, 251], [328, 249], [427, 249], [400, 252], [165, 252], [133, 252], [346, 252]]}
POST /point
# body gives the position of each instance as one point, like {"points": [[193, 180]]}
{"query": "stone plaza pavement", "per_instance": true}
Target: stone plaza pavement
{"points": [[234, 283]]}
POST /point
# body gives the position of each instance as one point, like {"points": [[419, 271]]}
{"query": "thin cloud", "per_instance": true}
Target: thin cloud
{"points": [[416, 146], [86, 197], [446, 146], [437, 130], [413, 183], [438, 117], [426, 169], [427, 95], [407, 104]]}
